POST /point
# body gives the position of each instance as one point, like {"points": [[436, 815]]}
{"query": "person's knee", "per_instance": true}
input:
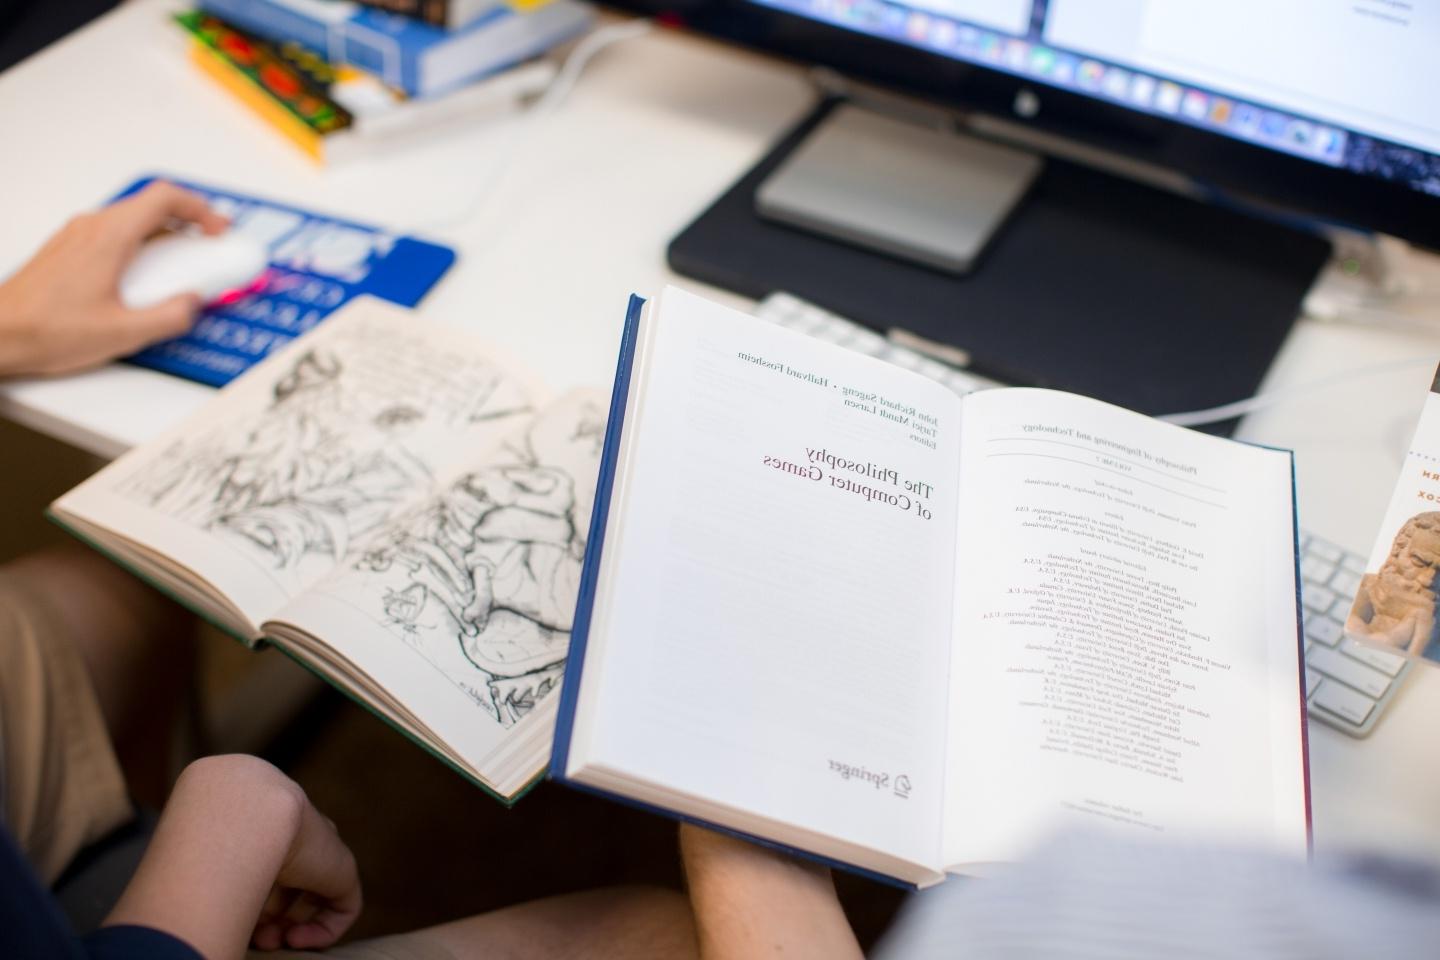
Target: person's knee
{"points": [[652, 921], [612, 923], [643, 904], [92, 595], [136, 645]]}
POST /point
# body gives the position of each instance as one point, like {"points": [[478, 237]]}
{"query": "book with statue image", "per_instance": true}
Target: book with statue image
{"points": [[1395, 602], [832, 606], [392, 504]]}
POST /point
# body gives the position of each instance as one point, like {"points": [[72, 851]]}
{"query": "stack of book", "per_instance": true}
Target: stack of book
{"points": [[342, 79]]}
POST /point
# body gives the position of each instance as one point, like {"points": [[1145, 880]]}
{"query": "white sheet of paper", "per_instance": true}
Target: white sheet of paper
{"points": [[1126, 649], [775, 634]]}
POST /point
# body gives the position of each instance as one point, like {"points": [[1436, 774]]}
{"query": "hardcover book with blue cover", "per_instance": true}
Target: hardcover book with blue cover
{"points": [[420, 59], [829, 605], [318, 264]]}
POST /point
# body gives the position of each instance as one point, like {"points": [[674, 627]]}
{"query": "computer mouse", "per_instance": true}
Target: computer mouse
{"points": [[210, 266]]}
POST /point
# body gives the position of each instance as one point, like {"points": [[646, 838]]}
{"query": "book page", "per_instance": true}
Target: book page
{"points": [[462, 607], [1126, 649], [775, 634], [273, 483]]}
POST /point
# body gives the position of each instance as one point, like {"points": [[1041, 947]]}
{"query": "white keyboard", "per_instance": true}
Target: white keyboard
{"points": [[1347, 685]]}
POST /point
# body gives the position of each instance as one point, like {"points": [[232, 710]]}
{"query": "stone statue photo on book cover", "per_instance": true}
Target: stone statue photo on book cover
{"points": [[1395, 606]]}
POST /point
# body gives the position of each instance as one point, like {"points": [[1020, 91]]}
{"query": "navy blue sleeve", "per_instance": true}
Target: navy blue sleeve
{"points": [[136, 943], [32, 924], [33, 928]]}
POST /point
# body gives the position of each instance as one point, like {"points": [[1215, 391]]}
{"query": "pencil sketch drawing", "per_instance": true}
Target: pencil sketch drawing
{"points": [[482, 580], [346, 434]]}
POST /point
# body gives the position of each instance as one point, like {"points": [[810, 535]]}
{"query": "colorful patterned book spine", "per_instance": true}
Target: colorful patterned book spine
{"points": [[288, 93]]}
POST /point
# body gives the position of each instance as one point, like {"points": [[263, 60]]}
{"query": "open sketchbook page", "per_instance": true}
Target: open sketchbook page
{"points": [[271, 484], [774, 635], [461, 608], [1126, 645]]}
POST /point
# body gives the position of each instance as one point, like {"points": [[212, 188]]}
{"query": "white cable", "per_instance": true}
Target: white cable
{"points": [[1239, 408], [581, 56], [544, 105]]}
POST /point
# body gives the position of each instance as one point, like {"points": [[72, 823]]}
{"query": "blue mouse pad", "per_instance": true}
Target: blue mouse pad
{"points": [[317, 265]]}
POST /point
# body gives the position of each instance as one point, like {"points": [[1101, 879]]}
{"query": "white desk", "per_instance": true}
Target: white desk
{"points": [[655, 129]]}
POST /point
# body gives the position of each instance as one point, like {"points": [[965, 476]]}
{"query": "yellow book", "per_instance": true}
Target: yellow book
{"points": [[264, 104]]}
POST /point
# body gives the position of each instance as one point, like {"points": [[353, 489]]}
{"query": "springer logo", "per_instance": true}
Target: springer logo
{"points": [[899, 785], [902, 787]]}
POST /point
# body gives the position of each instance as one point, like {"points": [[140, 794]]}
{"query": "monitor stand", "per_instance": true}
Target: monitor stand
{"points": [[891, 186], [1095, 284]]}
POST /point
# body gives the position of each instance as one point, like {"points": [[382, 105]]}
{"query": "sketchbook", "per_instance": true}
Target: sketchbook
{"points": [[830, 605], [393, 505]]}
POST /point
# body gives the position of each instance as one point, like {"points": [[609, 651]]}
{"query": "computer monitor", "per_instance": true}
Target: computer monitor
{"points": [[1282, 115], [1332, 110]]}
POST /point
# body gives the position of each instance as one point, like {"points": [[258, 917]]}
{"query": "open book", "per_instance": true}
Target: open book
{"points": [[828, 604], [393, 506]]}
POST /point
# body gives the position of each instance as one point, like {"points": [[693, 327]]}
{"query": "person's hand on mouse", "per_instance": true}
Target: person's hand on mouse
{"points": [[61, 312]]}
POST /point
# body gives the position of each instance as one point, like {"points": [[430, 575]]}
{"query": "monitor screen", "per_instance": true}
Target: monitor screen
{"points": [[1350, 84]]}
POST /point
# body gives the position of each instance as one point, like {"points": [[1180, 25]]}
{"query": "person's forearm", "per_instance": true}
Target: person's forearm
{"points": [[210, 866], [16, 326], [750, 902]]}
